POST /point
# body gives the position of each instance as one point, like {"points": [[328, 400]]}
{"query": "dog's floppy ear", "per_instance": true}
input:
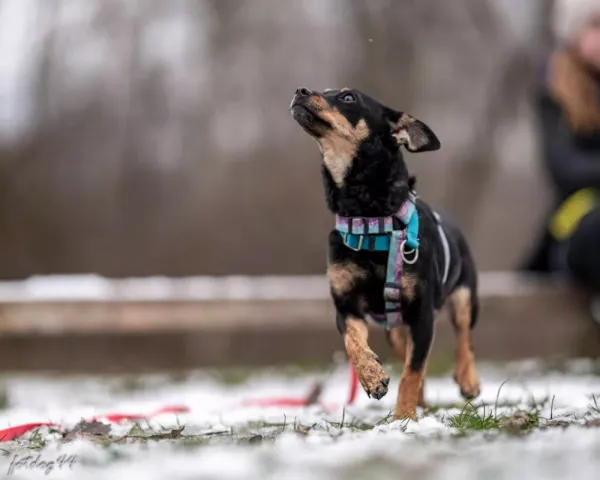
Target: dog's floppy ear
{"points": [[412, 133]]}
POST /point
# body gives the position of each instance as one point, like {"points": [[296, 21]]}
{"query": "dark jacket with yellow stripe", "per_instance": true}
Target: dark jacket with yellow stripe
{"points": [[572, 161]]}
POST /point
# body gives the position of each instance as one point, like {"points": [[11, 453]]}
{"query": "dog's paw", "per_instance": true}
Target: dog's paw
{"points": [[373, 378], [468, 382], [470, 392]]}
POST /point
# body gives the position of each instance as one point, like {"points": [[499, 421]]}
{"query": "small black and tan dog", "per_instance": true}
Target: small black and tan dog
{"points": [[368, 187]]}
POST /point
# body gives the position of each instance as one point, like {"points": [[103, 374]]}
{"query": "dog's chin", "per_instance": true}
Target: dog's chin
{"points": [[311, 124]]}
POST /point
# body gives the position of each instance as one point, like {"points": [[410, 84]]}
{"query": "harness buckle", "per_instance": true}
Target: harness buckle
{"points": [[360, 242], [413, 251]]}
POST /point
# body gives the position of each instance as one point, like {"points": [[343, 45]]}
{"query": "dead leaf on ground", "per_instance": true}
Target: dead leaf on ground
{"points": [[88, 430], [518, 421], [175, 433]]}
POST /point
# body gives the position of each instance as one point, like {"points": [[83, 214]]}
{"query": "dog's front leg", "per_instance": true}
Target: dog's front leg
{"points": [[367, 364], [415, 366], [346, 280]]}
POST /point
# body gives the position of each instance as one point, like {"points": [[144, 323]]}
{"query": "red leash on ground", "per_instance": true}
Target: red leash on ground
{"points": [[120, 417], [310, 399], [12, 433]]}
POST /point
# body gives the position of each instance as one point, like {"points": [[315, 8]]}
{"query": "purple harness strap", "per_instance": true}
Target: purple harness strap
{"points": [[364, 225], [392, 292], [397, 253]]}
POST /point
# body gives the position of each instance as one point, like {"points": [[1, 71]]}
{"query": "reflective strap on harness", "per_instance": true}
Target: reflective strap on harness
{"points": [[445, 246]]}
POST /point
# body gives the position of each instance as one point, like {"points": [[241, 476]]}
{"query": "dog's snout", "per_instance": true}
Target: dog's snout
{"points": [[303, 91]]}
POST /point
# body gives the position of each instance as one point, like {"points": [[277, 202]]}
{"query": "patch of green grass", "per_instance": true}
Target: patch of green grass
{"points": [[484, 417], [36, 440], [387, 419], [351, 423], [472, 419]]}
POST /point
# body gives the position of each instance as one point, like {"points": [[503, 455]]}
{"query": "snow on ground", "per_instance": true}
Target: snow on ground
{"points": [[314, 444]]}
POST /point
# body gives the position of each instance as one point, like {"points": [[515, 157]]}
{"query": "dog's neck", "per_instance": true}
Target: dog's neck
{"points": [[376, 183]]}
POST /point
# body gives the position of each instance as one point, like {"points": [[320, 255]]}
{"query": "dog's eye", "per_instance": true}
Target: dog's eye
{"points": [[347, 98]]}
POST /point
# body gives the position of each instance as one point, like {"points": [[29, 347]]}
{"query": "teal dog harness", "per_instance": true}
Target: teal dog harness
{"points": [[378, 234]]}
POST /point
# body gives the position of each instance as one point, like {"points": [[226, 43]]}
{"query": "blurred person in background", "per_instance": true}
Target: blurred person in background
{"points": [[568, 107]]}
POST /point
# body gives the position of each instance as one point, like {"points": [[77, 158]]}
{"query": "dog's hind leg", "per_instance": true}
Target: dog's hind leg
{"points": [[463, 312], [415, 364], [367, 364], [400, 341]]}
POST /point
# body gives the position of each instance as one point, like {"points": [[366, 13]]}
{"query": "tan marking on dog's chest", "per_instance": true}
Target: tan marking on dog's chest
{"points": [[409, 281], [340, 146], [343, 276]]}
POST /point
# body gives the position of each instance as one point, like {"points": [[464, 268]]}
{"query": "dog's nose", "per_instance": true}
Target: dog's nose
{"points": [[300, 91]]}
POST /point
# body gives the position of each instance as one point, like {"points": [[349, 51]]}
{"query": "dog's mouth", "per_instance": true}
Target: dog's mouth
{"points": [[308, 119]]}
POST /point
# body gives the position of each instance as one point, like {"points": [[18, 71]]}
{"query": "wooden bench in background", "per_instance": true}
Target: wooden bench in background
{"points": [[87, 323]]}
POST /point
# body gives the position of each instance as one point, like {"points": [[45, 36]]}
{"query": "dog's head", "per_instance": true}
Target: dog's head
{"points": [[342, 120]]}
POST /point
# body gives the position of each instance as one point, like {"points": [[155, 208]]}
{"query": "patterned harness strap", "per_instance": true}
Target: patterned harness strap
{"points": [[402, 247], [397, 256]]}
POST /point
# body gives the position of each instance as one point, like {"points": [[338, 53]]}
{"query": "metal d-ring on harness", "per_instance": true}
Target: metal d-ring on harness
{"points": [[413, 251], [378, 234]]}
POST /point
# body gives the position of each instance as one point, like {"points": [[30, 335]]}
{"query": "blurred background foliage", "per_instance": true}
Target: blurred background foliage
{"points": [[142, 137]]}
